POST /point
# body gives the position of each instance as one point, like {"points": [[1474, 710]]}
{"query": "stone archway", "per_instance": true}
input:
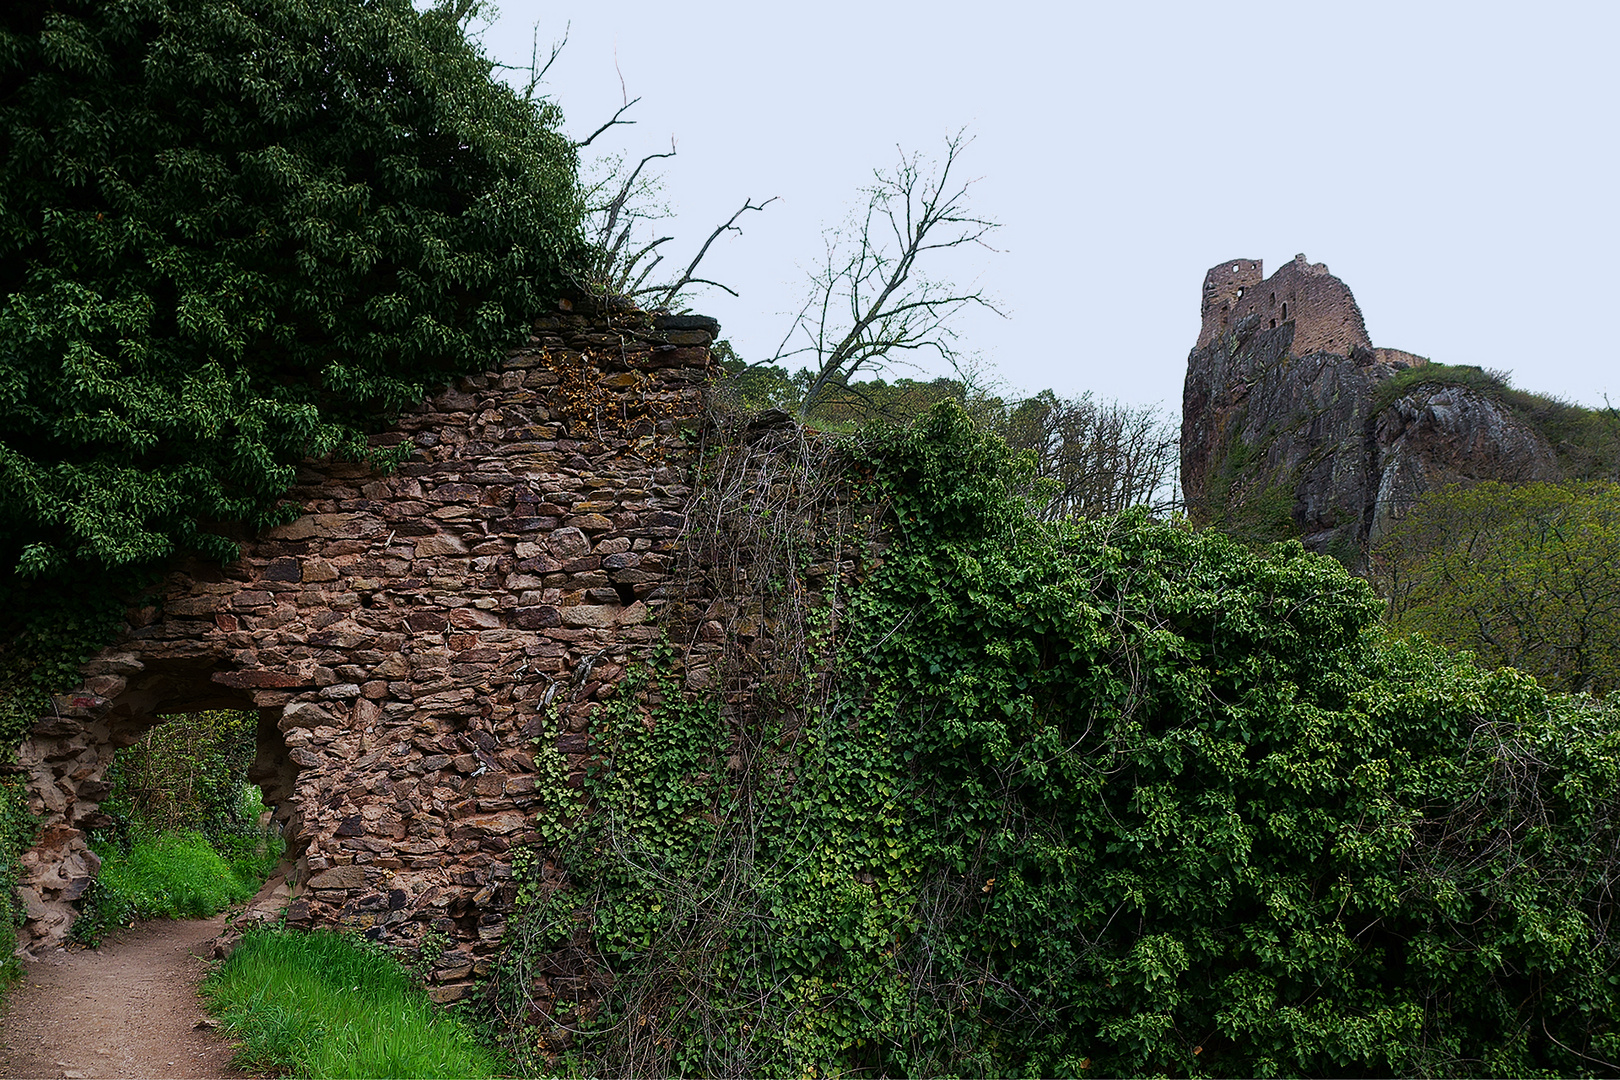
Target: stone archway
{"points": [[126, 694], [398, 639]]}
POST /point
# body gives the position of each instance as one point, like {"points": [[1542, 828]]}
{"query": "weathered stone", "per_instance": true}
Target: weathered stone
{"points": [[439, 544], [341, 691], [538, 618], [339, 877], [569, 543], [284, 570], [304, 714], [590, 523], [319, 570], [258, 678], [594, 616], [1283, 369], [404, 635]]}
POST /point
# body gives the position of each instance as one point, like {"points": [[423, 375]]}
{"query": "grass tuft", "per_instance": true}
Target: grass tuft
{"points": [[323, 1004]]}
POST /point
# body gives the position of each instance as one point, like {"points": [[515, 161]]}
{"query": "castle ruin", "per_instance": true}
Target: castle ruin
{"points": [[1284, 430]]}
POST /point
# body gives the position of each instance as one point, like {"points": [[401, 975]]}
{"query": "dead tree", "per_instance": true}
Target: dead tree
{"points": [[1103, 456], [870, 299]]}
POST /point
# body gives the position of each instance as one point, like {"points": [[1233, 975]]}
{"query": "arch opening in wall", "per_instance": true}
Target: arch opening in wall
{"points": [[1285, 311], [170, 750]]}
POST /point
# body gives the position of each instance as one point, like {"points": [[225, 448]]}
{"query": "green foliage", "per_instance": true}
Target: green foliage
{"points": [[185, 839], [1109, 797], [17, 830], [1236, 505], [47, 630], [177, 875], [186, 773], [1491, 384], [235, 234], [325, 1005], [1521, 575], [843, 406]]}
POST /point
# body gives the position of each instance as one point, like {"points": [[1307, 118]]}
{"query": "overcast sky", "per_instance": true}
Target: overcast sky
{"points": [[1453, 163]]}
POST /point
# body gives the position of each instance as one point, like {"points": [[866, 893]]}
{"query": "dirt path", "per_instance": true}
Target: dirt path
{"points": [[128, 1009]]}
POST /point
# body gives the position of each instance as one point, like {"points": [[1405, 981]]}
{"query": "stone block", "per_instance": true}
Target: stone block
{"points": [[339, 877], [304, 714], [568, 543], [439, 544], [590, 523], [288, 570], [590, 616], [258, 678], [319, 570], [538, 618], [472, 618]]}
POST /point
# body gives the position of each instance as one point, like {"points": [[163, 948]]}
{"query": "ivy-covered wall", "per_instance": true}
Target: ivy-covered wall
{"points": [[1113, 797]]}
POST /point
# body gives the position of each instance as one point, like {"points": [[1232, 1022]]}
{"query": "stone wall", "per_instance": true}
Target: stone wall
{"points": [[407, 639]]}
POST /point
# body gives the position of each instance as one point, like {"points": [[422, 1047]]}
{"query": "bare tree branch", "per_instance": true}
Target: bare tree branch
{"points": [[614, 122], [869, 300], [730, 225]]}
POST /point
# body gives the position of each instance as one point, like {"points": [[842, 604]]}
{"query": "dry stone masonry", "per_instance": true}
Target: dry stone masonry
{"points": [[408, 638]]}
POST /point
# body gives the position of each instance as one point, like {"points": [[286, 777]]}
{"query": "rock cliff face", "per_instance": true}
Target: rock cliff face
{"points": [[1289, 429]]}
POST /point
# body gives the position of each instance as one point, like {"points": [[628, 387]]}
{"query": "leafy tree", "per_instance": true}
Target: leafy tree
{"points": [[233, 234], [1526, 576]]}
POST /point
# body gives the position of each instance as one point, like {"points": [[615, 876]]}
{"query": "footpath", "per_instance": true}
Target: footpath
{"points": [[127, 1009]]}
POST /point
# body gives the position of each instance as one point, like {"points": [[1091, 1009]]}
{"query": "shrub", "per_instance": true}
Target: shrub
{"points": [[186, 773], [1111, 797], [1522, 575], [233, 234]]}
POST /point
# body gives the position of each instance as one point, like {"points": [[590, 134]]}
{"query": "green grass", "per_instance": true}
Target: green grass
{"points": [[325, 1005], [172, 876]]}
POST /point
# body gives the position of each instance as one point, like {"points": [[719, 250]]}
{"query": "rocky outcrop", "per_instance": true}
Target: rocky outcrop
{"points": [[1289, 428]]}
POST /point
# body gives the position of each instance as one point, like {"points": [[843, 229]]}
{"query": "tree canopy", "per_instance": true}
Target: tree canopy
{"points": [[1521, 575], [232, 233]]}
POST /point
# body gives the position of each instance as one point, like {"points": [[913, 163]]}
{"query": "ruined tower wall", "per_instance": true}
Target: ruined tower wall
{"points": [[1225, 286], [1323, 311], [1284, 430], [409, 637]]}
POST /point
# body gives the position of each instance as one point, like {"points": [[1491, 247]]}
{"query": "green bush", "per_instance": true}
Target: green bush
{"points": [[326, 1005], [1104, 798], [1526, 575], [184, 839], [17, 830], [235, 234], [186, 773]]}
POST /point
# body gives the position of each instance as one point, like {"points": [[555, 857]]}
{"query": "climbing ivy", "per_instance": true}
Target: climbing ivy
{"points": [[1099, 798]]}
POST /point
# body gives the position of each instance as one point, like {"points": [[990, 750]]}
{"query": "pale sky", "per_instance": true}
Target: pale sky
{"points": [[1453, 163]]}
